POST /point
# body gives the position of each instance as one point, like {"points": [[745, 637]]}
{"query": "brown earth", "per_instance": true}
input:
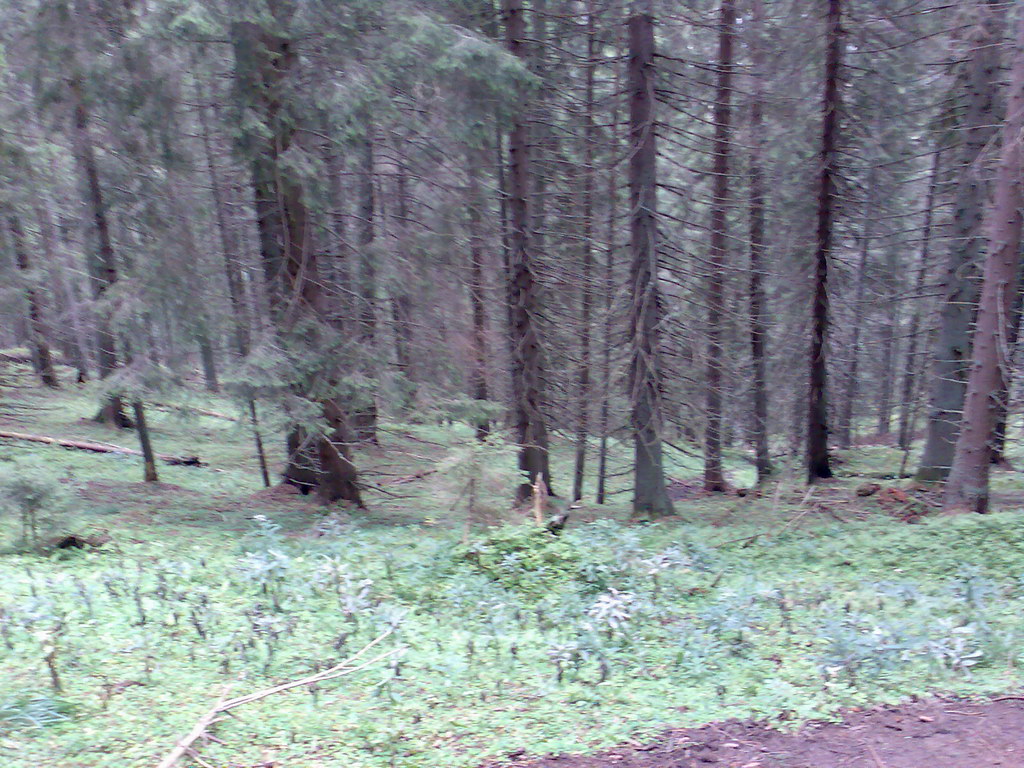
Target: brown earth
{"points": [[930, 734]]}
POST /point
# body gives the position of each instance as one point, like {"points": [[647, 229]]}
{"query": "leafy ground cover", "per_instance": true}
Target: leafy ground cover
{"points": [[782, 607]]}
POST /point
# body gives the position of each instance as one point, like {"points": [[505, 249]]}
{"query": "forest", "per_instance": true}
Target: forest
{"points": [[495, 383]]}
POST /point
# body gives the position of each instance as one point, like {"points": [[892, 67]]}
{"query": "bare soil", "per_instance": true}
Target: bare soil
{"points": [[930, 734]]}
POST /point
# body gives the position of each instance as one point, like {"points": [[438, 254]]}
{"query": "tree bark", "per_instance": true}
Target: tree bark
{"points": [[148, 457], [42, 360], [103, 263], [998, 453], [365, 417], [908, 397], [583, 389], [890, 345], [818, 466], [477, 297], [758, 251], [527, 357], [608, 287], [650, 495], [714, 478], [967, 485], [263, 63], [952, 348]]}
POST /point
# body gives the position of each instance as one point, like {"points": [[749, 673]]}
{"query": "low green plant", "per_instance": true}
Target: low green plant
{"points": [[525, 558], [35, 503]]}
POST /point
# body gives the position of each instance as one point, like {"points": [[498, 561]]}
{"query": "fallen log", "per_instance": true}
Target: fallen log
{"points": [[88, 445]]}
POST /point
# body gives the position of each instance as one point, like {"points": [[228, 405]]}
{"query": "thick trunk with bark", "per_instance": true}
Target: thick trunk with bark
{"points": [[714, 478], [650, 495], [953, 346], [524, 302], [263, 63], [818, 466], [758, 251], [477, 297], [583, 390], [148, 457], [967, 485]]}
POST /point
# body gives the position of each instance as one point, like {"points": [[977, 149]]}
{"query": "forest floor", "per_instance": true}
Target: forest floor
{"points": [[947, 733], [784, 627]]}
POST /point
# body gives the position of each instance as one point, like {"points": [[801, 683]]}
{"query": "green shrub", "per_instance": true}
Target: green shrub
{"points": [[33, 503], [523, 558]]}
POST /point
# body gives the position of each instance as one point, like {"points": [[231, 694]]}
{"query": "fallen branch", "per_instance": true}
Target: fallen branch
{"points": [[184, 746], [88, 445]]}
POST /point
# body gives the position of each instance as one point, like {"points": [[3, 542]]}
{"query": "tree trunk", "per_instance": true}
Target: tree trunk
{"points": [[758, 251], [236, 296], [527, 358], [148, 457], [401, 301], [952, 349], [650, 495], [365, 417], [714, 478], [263, 63], [967, 485], [42, 360], [477, 296], [209, 361], [908, 397], [818, 466], [103, 263], [608, 286], [583, 393], [1002, 397], [889, 345]]}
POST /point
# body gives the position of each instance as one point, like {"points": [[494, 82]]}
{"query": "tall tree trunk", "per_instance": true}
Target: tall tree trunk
{"points": [[209, 361], [60, 264], [650, 495], [997, 455], [967, 485], [477, 294], [42, 360], [952, 349], [148, 457], [103, 263], [817, 413], [758, 250], [263, 62], [232, 274], [714, 478], [846, 427], [583, 390], [527, 358], [365, 417], [401, 301], [889, 345], [908, 396], [608, 287]]}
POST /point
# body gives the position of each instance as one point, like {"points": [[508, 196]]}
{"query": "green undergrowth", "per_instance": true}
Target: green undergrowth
{"points": [[511, 639], [505, 636]]}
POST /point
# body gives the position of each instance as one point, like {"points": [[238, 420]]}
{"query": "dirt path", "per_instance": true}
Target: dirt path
{"points": [[932, 734]]}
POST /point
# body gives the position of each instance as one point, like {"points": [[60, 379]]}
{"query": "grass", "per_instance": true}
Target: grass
{"points": [[779, 607]]}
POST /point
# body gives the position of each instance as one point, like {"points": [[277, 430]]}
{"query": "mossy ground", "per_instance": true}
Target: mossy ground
{"points": [[779, 605]]}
